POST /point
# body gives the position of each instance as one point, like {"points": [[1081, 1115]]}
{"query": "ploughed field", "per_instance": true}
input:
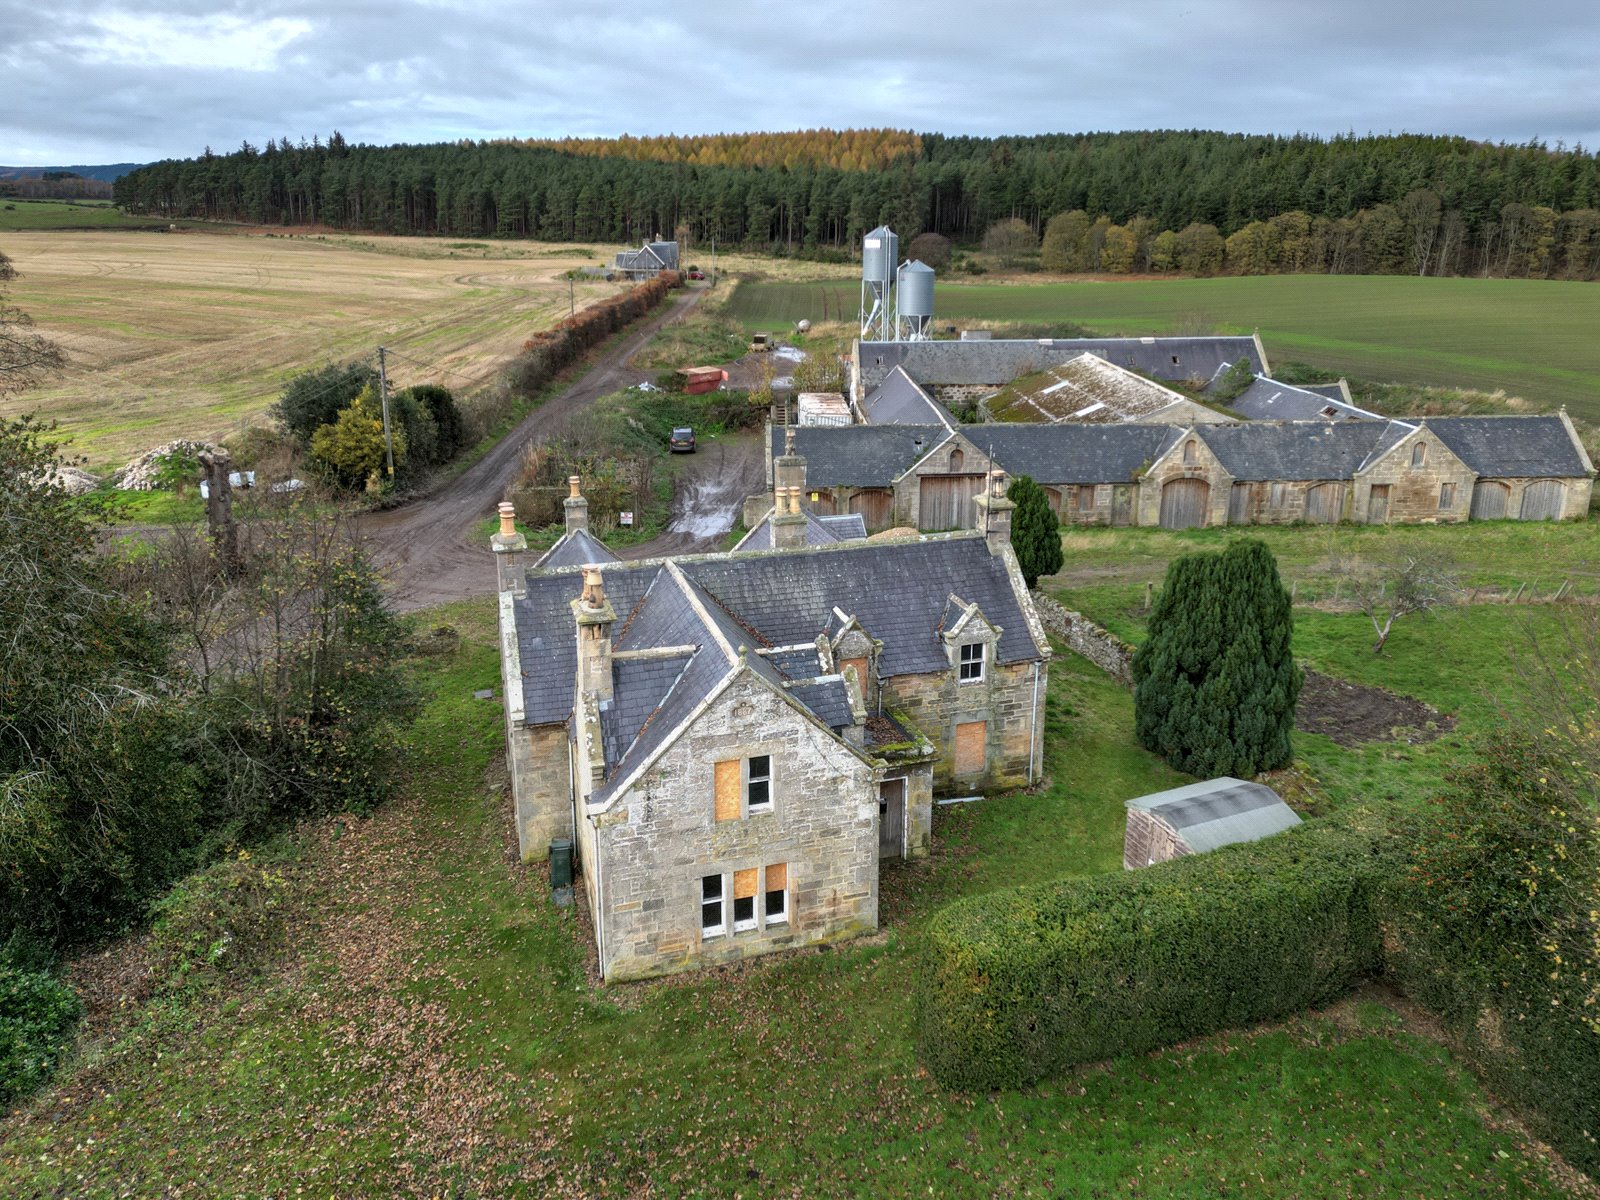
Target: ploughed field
{"points": [[193, 334], [1531, 338]]}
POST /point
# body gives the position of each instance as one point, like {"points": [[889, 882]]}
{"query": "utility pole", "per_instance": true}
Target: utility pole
{"points": [[713, 260], [572, 309], [383, 392]]}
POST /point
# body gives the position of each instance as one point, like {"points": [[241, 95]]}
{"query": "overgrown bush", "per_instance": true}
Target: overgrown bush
{"points": [[1215, 682], [1016, 985], [315, 398], [546, 353], [1035, 531], [226, 920], [449, 430], [352, 449], [38, 1017]]}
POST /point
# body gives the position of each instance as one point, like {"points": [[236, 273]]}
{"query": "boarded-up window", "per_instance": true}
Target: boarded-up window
{"points": [[744, 883], [957, 458], [1447, 496], [1188, 453], [777, 894], [971, 743], [860, 665], [1419, 454], [744, 899], [729, 786]]}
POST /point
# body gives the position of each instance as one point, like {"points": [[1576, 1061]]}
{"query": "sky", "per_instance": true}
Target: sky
{"points": [[85, 82]]}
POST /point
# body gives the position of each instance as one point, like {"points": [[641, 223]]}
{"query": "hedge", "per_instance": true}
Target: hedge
{"points": [[548, 351], [38, 1019], [1019, 984]]}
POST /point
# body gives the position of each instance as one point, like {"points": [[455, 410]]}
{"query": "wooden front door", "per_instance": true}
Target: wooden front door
{"points": [[1489, 501], [1184, 503], [1542, 501], [1240, 509], [892, 818], [1325, 503], [972, 739], [1378, 504], [946, 501], [874, 505]]}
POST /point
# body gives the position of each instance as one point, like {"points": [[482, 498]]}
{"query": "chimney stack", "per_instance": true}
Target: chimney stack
{"points": [[994, 512], [576, 506], [788, 522], [789, 468], [594, 616], [509, 547]]}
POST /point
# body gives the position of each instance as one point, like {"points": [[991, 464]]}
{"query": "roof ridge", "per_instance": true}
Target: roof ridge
{"points": [[689, 588]]}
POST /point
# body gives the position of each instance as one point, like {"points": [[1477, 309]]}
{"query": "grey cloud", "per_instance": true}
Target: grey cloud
{"points": [[383, 72]]}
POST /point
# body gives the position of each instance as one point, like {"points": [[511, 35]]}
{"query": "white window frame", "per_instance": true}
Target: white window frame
{"points": [[963, 662], [720, 900], [753, 920], [782, 918], [751, 807]]}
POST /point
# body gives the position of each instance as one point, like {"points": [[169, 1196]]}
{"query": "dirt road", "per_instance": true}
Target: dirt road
{"points": [[422, 547], [711, 490]]}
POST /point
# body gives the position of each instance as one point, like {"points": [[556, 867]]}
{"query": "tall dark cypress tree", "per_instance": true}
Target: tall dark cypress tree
{"points": [[1035, 531], [1215, 683]]}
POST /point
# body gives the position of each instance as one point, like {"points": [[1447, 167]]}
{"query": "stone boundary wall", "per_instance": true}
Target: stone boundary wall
{"points": [[1100, 646]]}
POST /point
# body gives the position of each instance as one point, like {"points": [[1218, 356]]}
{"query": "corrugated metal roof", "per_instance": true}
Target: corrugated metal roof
{"points": [[1220, 812]]}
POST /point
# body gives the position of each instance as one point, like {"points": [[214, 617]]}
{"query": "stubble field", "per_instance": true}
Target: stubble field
{"points": [[194, 334]]}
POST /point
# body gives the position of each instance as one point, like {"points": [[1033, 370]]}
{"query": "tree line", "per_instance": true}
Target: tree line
{"points": [[1499, 206]]}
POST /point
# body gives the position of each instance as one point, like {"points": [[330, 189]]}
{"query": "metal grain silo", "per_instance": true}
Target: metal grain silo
{"points": [[880, 251], [913, 300]]}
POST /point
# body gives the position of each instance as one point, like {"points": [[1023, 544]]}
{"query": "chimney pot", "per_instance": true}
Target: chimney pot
{"points": [[508, 519], [572, 484], [594, 591]]}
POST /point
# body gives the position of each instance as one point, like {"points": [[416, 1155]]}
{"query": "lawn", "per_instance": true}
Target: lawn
{"points": [[194, 334], [1461, 661], [18, 214], [1529, 338], [433, 1031]]}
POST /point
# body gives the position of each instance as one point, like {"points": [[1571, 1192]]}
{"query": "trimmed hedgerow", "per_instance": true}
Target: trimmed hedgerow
{"points": [[38, 1017], [1019, 984]]}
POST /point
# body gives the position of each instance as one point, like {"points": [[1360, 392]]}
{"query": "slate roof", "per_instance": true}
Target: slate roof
{"points": [[997, 362], [898, 590], [820, 531], [899, 401], [1087, 389], [1070, 453], [575, 548], [858, 455], [1268, 400], [1508, 447], [1220, 812], [1333, 391], [1295, 450]]}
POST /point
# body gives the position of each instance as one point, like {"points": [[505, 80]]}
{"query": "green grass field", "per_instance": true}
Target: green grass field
{"points": [[18, 214], [431, 1030], [1531, 338]]}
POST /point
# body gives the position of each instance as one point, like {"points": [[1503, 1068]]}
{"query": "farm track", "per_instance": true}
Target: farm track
{"points": [[422, 547]]}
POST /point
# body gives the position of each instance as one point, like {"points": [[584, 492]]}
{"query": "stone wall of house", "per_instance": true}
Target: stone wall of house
{"points": [[658, 840], [957, 396], [541, 786], [1414, 488], [1189, 459], [1100, 646], [1004, 699], [919, 809]]}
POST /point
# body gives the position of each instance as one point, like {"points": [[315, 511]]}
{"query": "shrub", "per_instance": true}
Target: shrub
{"points": [[314, 398], [352, 449], [1035, 531], [38, 1015], [1010, 241], [440, 404], [226, 920], [1215, 682], [1016, 985]]}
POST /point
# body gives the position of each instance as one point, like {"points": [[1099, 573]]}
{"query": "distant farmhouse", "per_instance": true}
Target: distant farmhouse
{"points": [[648, 261], [734, 741], [1438, 469]]}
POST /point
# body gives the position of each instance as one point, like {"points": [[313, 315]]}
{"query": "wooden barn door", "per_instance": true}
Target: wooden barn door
{"points": [[822, 502], [1184, 503], [1490, 500], [1542, 501], [1378, 504], [971, 743], [892, 818], [874, 505], [947, 501], [1240, 509], [1325, 503], [1122, 504]]}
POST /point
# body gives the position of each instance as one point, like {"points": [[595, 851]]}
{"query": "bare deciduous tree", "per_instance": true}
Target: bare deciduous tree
{"points": [[1388, 589]]}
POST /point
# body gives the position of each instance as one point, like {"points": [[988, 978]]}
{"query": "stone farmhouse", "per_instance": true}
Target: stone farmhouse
{"points": [[734, 741], [1437, 469]]}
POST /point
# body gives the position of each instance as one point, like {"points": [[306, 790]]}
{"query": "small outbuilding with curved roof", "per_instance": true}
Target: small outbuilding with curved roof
{"points": [[1201, 817]]}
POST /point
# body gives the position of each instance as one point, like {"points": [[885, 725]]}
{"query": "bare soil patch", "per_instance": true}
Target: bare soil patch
{"points": [[1353, 713]]}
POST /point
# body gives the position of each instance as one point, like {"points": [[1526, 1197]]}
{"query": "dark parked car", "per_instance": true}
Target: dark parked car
{"points": [[697, 274], [682, 441]]}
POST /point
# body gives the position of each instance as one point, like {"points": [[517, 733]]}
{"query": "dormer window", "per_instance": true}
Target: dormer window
{"points": [[1419, 454], [1188, 453], [969, 663]]}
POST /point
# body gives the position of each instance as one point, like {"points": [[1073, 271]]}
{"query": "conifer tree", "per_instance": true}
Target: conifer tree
{"points": [[1215, 683], [1035, 531]]}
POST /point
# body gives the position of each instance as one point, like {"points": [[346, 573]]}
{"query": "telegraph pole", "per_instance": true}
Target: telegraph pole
{"points": [[713, 260], [383, 391], [572, 309]]}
